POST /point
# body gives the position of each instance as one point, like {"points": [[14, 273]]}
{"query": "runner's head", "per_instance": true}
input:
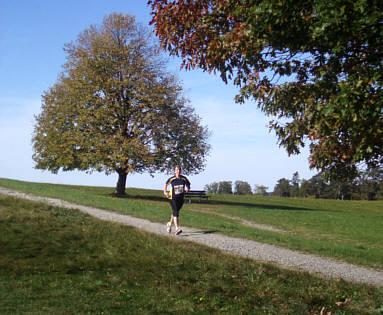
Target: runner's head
{"points": [[177, 170]]}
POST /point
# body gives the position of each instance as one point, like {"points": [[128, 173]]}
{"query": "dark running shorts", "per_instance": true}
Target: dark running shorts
{"points": [[176, 204]]}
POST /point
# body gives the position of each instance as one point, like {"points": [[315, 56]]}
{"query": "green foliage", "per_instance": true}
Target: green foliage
{"points": [[242, 188], [57, 261], [223, 187], [212, 188], [313, 65], [226, 187], [260, 190], [282, 188], [295, 185], [115, 108], [316, 186], [368, 185]]}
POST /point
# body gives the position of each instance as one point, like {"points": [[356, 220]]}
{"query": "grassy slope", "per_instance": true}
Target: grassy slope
{"points": [[57, 261], [347, 230]]}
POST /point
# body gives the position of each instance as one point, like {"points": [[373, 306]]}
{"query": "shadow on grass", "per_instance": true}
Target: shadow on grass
{"points": [[256, 206], [138, 197], [218, 203]]}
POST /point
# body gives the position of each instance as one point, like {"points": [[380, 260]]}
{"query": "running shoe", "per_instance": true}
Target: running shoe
{"points": [[169, 227], [178, 231]]}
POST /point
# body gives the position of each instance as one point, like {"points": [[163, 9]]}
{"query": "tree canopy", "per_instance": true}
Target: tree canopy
{"points": [[315, 66], [282, 188], [114, 108], [223, 187], [242, 188], [260, 190]]}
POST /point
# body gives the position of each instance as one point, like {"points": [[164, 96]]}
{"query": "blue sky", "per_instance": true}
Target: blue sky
{"points": [[32, 37]]}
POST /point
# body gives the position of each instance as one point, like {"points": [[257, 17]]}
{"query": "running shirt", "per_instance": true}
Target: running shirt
{"points": [[178, 186]]}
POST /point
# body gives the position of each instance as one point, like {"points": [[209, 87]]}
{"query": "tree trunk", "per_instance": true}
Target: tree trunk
{"points": [[121, 183]]}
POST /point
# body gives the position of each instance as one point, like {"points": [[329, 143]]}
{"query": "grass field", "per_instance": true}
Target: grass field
{"points": [[347, 230], [56, 261]]}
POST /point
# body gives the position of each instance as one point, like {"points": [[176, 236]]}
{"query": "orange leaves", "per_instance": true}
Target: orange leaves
{"points": [[323, 71]]}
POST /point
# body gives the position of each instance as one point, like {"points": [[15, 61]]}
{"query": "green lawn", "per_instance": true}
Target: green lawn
{"points": [[59, 261], [348, 230]]}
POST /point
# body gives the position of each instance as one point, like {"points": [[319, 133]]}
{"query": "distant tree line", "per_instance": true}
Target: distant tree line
{"points": [[239, 188], [368, 185]]}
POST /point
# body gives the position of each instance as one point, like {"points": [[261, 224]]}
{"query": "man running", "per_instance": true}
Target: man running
{"points": [[179, 185]]}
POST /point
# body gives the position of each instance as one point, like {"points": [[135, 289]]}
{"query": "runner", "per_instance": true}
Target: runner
{"points": [[179, 185]]}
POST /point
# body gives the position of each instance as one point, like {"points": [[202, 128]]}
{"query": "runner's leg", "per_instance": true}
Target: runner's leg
{"points": [[179, 202], [176, 206]]}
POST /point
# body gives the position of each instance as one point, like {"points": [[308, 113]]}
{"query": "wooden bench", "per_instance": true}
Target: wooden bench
{"points": [[200, 194]]}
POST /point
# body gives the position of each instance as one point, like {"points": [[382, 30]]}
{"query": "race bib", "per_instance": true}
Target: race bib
{"points": [[179, 189]]}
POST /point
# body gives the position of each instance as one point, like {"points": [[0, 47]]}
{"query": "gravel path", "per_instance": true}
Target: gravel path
{"points": [[283, 257]]}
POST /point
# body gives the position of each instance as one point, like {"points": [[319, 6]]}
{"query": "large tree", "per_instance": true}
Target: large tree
{"points": [[115, 108], [316, 66]]}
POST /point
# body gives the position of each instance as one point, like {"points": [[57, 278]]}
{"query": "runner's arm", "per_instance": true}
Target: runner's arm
{"points": [[165, 190], [187, 185]]}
